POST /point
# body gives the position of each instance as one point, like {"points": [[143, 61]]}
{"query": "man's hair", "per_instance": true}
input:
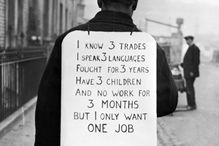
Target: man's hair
{"points": [[127, 3]]}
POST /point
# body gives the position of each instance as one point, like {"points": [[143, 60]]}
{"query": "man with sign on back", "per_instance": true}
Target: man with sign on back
{"points": [[115, 15]]}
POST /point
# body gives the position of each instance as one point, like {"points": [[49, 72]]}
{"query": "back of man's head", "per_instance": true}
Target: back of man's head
{"points": [[126, 3]]}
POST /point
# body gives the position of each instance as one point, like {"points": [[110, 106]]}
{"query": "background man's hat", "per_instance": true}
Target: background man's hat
{"points": [[188, 37]]}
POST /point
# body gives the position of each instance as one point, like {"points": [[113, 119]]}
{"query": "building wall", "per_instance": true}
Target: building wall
{"points": [[23, 11], [64, 15], [25, 20], [2, 23], [36, 22], [56, 17], [80, 13], [12, 18], [17, 18]]}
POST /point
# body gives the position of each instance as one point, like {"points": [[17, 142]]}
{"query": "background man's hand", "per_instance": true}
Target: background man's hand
{"points": [[191, 74]]}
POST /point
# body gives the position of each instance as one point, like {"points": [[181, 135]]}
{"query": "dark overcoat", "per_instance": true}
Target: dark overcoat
{"points": [[48, 107], [191, 62]]}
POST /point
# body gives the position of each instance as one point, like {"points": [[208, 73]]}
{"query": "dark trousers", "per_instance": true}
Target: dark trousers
{"points": [[190, 91]]}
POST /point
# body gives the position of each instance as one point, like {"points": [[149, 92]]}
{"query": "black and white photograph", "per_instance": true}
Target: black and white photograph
{"points": [[109, 72]]}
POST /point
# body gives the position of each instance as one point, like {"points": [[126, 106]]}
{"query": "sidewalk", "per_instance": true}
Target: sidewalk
{"points": [[199, 127], [165, 136], [22, 133]]}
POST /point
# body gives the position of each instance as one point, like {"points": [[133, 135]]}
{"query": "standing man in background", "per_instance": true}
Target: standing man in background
{"points": [[190, 65], [116, 16]]}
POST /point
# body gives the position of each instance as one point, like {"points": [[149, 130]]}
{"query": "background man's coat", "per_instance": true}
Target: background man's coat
{"points": [[191, 61]]}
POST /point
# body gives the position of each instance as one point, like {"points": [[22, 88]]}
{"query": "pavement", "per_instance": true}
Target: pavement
{"points": [[22, 132], [198, 127], [183, 128]]}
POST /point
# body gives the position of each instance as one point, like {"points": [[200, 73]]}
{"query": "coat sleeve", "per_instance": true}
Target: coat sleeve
{"points": [[167, 95], [196, 57], [47, 116]]}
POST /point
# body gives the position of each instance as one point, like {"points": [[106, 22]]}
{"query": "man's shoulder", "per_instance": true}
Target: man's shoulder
{"points": [[160, 51], [196, 48], [80, 27]]}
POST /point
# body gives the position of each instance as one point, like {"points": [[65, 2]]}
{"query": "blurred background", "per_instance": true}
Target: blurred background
{"points": [[29, 28], [200, 20]]}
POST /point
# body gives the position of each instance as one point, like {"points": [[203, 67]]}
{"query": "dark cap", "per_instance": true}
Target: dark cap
{"points": [[189, 37]]}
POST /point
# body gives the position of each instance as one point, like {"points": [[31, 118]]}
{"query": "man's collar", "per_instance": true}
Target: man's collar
{"points": [[113, 17]]}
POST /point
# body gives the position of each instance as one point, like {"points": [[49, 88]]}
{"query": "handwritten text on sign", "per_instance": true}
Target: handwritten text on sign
{"points": [[108, 89]]}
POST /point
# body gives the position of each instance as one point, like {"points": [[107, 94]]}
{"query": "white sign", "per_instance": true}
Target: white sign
{"points": [[108, 89]]}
